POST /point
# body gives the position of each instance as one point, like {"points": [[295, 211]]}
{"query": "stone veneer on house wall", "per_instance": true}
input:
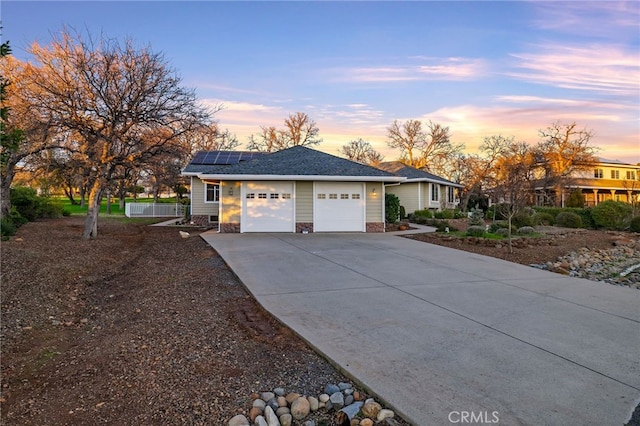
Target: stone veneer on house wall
{"points": [[230, 228], [375, 226], [300, 226], [200, 220]]}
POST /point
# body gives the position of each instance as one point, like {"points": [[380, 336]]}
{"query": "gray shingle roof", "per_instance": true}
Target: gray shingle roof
{"points": [[401, 169], [297, 161]]}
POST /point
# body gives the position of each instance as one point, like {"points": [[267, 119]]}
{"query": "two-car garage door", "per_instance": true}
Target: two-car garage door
{"points": [[270, 207]]}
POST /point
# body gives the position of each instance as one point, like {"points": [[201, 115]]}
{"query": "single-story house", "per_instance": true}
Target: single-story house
{"points": [[421, 190], [294, 190]]}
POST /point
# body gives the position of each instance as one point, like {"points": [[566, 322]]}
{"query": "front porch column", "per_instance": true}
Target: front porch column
{"points": [[595, 197], [613, 194]]}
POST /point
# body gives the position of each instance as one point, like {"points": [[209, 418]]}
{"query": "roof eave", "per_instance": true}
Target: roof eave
{"points": [[261, 177], [414, 180]]}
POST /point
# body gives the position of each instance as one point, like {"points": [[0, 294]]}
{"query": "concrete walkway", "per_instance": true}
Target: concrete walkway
{"points": [[436, 332]]}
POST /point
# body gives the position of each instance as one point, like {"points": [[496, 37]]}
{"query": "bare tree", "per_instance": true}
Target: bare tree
{"points": [[514, 172], [361, 151], [562, 151], [209, 137], [429, 149], [299, 129], [125, 104]]}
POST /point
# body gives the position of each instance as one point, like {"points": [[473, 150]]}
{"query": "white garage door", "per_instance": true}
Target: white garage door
{"points": [[267, 207], [338, 206]]}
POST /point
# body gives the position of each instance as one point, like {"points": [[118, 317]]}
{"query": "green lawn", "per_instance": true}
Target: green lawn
{"points": [[75, 209]]}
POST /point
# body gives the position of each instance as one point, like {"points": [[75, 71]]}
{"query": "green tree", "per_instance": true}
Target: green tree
{"points": [[576, 199]]}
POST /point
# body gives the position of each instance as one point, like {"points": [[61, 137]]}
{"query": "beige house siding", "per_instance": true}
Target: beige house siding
{"points": [[408, 194], [232, 202], [304, 201], [375, 202], [198, 206]]}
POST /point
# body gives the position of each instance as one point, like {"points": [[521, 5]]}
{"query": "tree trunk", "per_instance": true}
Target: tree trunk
{"points": [[108, 201], [5, 194], [83, 191], [91, 223]]}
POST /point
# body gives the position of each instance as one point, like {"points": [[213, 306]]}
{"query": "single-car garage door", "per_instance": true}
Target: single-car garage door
{"points": [[267, 207], [339, 206]]}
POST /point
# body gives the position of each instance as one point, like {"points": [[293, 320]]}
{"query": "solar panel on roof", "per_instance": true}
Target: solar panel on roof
{"points": [[219, 158], [199, 157]]}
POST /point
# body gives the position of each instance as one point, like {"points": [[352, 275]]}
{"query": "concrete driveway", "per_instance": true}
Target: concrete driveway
{"points": [[437, 333]]}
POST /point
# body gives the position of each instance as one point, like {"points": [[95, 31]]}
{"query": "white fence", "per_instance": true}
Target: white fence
{"points": [[154, 210]]}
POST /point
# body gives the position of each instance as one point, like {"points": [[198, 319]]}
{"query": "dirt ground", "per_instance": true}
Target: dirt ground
{"points": [[142, 326]]}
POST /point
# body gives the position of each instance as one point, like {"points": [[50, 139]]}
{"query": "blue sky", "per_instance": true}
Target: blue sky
{"points": [[481, 68]]}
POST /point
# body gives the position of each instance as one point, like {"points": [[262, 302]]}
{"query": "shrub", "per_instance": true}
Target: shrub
{"points": [[476, 217], [422, 213], [7, 228], [66, 212], [634, 226], [392, 207], [585, 214], [442, 225], [403, 212], [611, 214], [522, 218], [503, 232], [476, 231], [542, 218], [525, 230], [498, 225], [31, 206], [459, 214], [496, 211], [575, 199], [568, 220], [443, 214]]}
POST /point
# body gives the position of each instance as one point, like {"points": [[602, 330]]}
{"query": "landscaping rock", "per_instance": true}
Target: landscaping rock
{"points": [[300, 408]]}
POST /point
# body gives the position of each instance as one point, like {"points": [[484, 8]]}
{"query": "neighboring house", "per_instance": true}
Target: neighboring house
{"points": [[421, 190], [606, 180], [294, 190]]}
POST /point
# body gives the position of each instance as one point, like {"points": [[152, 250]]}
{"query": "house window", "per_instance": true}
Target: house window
{"points": [[333, 196], [631, 175], [355, 196], [262, 195], [344, 196], [251, 195], [598, 174], [274, 195], [211, 192], [615, 174], [322, 196], [434, 192], [286, 196], [450, 194]]}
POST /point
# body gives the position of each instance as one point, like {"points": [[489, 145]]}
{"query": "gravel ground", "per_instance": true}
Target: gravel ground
{"points": [[143, 327]]}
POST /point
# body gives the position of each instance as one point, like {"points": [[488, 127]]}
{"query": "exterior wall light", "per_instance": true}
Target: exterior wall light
{"points": [[373, 192], [231, 190]]}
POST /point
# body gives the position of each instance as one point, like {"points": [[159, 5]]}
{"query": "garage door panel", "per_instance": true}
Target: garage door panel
{"points": [[339, 206], [268, 207]]}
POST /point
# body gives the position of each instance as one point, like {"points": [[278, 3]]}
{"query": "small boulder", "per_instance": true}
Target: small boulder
{"points": [[300, 408], [238, 420]]}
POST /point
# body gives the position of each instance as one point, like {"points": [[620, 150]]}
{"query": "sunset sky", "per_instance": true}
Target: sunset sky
{"points": [[481, 68]]}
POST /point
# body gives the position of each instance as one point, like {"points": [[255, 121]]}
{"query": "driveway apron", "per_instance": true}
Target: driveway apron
{"points": [[440, 334]]}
